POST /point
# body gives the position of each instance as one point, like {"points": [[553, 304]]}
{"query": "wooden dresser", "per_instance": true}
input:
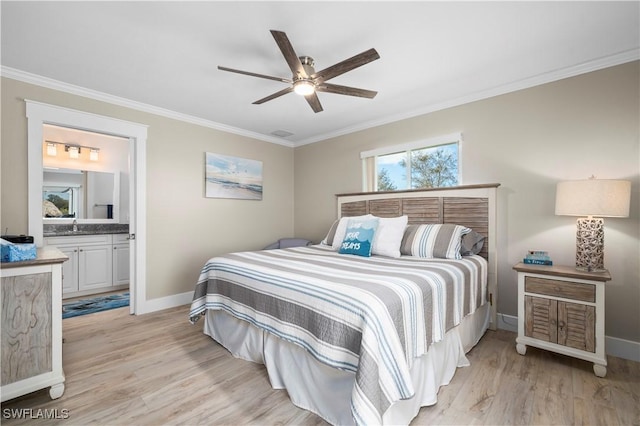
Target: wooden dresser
{"points": [[561, 309], [31, 316]]}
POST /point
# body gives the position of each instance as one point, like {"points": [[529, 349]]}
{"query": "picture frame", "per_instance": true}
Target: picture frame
{"points": [[232, 177]]}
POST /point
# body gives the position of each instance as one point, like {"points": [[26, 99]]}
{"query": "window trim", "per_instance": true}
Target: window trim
{"points": [[422, 143]]}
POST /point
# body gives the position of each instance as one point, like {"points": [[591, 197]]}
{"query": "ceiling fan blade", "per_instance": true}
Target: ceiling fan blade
{"points": [[273, 96], [289, 54], [314, 102], [346, 65], [346, 90], [252, 74]]}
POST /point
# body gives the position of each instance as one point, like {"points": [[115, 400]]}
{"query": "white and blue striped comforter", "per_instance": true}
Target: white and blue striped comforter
{"points": [[369, 315]]}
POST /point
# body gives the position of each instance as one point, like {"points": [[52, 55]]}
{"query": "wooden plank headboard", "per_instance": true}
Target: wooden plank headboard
{"points": [[473, 206], [472, 212]]}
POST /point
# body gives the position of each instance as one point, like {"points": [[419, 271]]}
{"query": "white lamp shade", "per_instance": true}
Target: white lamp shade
{"points": [[593, 197]]}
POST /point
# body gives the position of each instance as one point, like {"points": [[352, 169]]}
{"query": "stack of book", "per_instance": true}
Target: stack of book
{"points": [[537, 257]]}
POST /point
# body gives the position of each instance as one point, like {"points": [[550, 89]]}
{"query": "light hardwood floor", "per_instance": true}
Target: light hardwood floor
{"points": [[158, 369]]}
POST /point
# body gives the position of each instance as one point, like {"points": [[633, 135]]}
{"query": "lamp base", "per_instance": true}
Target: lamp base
{"points": [[590, 244], [589, 269]]}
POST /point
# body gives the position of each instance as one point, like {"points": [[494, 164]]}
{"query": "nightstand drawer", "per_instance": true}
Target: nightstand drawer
{"points": [[557, 288]]}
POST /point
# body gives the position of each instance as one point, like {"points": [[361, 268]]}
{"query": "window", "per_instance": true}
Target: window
{"points": [[429, 163], [60, 202]]}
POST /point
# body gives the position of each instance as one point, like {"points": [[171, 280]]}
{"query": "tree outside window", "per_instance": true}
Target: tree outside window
{"points": [[430, 167]]}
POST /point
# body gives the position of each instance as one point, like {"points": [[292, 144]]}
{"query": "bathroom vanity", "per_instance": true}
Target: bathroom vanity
{"points": [[98, 262]]}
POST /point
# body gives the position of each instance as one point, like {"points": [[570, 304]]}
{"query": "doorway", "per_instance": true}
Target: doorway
{"points": [[39, 115]]}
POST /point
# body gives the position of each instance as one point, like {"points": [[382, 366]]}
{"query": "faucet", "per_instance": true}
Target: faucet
{"points": [[75, 226]]}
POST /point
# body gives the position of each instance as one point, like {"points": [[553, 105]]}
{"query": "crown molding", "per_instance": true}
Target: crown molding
{"points": [[549, 77], [49, 83]]}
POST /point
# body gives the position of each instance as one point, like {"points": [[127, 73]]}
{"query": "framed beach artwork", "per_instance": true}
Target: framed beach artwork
{"points": [[232, 177]]}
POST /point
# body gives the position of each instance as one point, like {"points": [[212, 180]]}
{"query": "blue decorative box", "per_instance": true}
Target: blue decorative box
{"points": [[17, 252]]}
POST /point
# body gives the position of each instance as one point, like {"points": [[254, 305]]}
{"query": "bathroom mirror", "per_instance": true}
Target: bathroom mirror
{"points": [[86, 196]]}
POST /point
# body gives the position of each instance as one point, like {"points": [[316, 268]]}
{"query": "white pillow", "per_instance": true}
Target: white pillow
{"points": [[328, 240], [389, 235], [341, 229]]}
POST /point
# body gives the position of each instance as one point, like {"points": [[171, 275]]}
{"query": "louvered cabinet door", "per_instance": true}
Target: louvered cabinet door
{"points": [[541, 318], [561, 309], [576, 326]]}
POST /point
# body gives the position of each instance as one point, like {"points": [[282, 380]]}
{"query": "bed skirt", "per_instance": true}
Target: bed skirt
{"points": [[326, 391]]}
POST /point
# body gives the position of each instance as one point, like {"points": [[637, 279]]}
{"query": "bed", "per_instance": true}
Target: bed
{"points": [[363, 338]]}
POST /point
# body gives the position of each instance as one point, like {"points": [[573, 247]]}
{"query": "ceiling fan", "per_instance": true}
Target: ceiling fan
{"points": [[306, 81]]}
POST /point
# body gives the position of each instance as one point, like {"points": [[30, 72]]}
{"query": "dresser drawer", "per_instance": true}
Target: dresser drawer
{"points": [[558, 288]]}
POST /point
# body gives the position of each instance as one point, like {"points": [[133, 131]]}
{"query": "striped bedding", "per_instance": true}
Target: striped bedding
{"points": [[369, 315]]}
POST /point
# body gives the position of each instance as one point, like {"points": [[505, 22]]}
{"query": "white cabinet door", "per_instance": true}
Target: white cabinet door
{"points": [[120, 264], [70, 270], [95, 267]]}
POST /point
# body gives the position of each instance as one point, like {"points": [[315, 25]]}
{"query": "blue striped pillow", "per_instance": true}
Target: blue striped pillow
{"points": [[433, 241]]}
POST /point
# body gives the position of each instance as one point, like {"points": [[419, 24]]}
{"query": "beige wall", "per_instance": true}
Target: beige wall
{"points": [[527, 141], [184, 228]]}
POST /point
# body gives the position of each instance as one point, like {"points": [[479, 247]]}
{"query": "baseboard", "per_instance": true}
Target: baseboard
{"points": [[507, 322], [614, 346], [622, 348], [167, 302]]}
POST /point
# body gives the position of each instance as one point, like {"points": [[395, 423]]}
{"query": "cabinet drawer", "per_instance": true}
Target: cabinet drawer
{"points": [[559, 288], [77, 240], [120, 238]]}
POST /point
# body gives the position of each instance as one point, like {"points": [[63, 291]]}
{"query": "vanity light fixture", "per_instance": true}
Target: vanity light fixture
{"points": [[73, 150], [52, 150], [93, 154]]}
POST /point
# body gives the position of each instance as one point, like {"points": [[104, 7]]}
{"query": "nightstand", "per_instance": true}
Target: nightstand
{"points": [[561, 309]]}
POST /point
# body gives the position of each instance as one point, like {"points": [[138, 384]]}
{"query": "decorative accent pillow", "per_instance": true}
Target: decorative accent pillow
{"points": [[389, 236], [471, 243], [358, 237], [342, 227], [328, 240], [434, 241]]}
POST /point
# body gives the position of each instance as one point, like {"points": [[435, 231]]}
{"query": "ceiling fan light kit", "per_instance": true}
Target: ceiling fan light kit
{"points": [[306, 81], [304, 87]]}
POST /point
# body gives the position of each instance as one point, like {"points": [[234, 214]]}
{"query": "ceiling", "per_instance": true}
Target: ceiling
{"points": [[162, 57]]}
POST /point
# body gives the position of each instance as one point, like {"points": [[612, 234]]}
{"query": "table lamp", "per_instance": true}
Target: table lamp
{"points": [[592, 197]]}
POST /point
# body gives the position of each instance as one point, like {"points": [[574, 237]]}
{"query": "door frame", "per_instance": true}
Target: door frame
{"points": [[38, 114]]}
